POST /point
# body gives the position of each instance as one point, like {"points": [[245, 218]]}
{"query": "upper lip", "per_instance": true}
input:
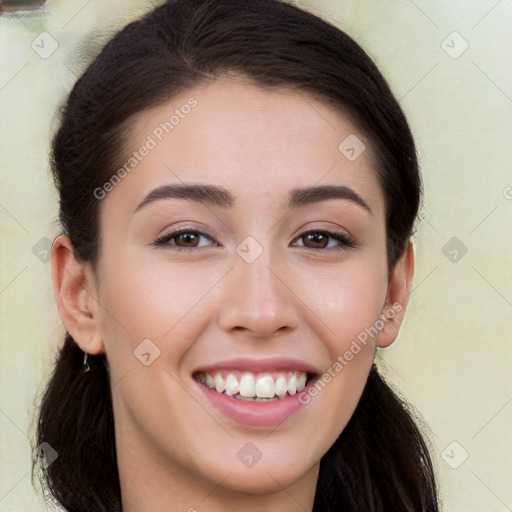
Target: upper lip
{"points": [[259, 365]]}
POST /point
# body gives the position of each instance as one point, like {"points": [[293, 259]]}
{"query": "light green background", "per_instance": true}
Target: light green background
{"points": [[453, 357]]}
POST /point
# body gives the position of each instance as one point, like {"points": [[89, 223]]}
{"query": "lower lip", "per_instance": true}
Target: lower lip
{"points": [[256, 414]]}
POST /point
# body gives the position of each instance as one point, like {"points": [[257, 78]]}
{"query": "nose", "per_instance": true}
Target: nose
{"points": [[259, 299]]}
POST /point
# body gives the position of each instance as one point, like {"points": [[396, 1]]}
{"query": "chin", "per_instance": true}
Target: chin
{"points": [[264, 476], [265, 480]]}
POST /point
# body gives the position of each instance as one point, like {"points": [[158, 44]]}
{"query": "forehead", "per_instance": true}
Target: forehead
{"points": [[258, 142]]}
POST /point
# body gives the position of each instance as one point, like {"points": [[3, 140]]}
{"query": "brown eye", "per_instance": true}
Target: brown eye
{"points": [[189, 239], [320, 240], [184, 239]]}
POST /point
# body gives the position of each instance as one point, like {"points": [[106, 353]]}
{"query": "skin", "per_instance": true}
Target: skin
{"points": [[176, 451]]}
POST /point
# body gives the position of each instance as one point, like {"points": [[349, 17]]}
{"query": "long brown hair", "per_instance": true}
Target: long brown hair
{"points": [[380, 462]]}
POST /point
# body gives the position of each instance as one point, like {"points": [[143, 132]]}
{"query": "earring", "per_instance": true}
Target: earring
{"points": [[86, 366]]}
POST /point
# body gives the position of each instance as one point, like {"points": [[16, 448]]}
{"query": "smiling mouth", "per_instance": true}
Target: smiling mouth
{"points": [[255, 387]]}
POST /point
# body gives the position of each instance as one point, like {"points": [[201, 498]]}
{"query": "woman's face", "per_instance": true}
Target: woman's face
{"points": [[261, 295]]}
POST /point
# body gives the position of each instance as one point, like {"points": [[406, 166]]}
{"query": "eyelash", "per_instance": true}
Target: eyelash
{"points": [[163, 241]]}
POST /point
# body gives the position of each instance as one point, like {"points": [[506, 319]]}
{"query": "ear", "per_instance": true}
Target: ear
{"points": [[75, 292], [397, 298]]}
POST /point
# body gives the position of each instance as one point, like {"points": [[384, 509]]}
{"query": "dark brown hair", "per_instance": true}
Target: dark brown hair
{"points": [[380, 462]]}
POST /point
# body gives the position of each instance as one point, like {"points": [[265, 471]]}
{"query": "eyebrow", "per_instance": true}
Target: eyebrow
{"points": [[219, 196]]}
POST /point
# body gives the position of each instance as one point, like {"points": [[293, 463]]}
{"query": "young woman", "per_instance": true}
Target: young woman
{"points": [[238, 187]]}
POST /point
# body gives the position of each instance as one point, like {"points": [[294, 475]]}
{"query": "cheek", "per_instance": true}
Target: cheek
{"points": [[345, 308], [347, 300], [156, 301]]}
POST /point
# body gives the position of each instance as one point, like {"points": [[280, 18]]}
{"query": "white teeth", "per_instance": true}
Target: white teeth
{"points": [[259, 389], [265, 386], [292, 385], [301, 382], [219, 383], [281, 386], [247, 385], [232, 385], [256, 399], [209, 381]]}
